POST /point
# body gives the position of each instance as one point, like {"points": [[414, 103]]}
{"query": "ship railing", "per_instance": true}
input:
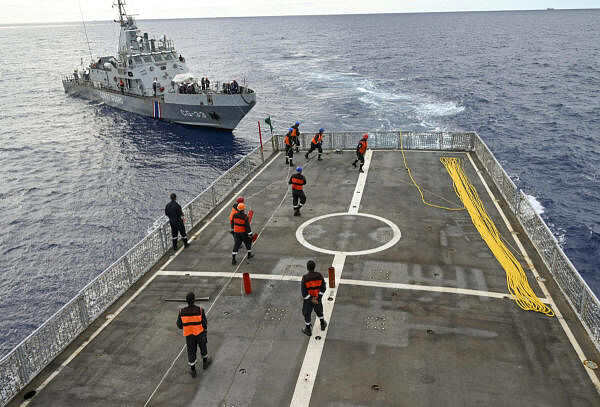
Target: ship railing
{"points": [[37, 350], [579, 295]]}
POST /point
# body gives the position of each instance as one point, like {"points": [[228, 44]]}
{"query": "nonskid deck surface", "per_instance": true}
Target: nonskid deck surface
{"points": [[424, 322]]}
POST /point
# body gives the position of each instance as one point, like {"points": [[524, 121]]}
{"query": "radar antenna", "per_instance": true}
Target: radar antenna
{"points": [[122, 13]]}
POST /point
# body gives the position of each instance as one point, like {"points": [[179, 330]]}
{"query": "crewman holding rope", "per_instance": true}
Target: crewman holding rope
{"points": [[361, 148], [289, 147], [313, 287], [241, 232], [315, 144], [192, 320], [175, 214], [297, 181]]}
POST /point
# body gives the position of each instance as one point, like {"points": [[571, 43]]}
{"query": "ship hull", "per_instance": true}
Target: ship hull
{"points": [[218, 111]]}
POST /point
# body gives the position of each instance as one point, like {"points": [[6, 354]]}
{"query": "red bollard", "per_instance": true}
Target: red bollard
{"points": [[247, 284], [332, 277]]}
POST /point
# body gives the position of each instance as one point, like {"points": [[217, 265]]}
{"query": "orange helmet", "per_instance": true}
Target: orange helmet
{"points": [[365, 136], [241, 206], [240, 199]]}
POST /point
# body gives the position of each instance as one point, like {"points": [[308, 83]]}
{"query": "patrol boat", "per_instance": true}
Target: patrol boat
{"points": [[149, 77]]}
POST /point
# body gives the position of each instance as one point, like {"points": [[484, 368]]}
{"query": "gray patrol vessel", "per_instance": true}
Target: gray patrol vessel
{"points": [[149, 77]]}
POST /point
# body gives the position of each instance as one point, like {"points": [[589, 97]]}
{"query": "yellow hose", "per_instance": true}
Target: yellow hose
{"points": [[516, 278]]}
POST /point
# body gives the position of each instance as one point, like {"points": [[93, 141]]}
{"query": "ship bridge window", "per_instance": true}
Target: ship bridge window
{"points": [[147, 58], [157, 58], [137, 59]]}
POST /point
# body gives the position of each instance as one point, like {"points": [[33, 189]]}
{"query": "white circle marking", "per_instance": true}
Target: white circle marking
{"points": [[305, 243]]}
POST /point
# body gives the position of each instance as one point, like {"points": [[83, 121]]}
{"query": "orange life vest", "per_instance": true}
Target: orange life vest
{"points": [[192, 324], [239, 223], [317, 138], [234, 210], [362, 146], [287, 141], [313, 287], [297, 183], [294, 132]]}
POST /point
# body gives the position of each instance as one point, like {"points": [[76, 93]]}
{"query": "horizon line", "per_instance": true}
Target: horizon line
{"points": [[307, 15]]}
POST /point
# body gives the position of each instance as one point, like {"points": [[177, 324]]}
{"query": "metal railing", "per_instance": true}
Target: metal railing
{"points": [[36, 351]]}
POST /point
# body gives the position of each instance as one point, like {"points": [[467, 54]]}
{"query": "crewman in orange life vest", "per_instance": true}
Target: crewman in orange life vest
{"points": [[234, 209], [296, 135], [241, 232], [192, 320], [361, 148], [297, 181], [313, 287], [289, 147], [315, 144]]}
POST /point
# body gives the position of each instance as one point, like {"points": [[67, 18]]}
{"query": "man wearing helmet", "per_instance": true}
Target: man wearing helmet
{"points": [[289, 147], [240, 224], [315, 144], [361, 148], [312, 287], [297, 181]]}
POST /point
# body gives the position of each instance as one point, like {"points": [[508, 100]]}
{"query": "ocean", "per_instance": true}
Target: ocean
{"points": [[81, 183]]}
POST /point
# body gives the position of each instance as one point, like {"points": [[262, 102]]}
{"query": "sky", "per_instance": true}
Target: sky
{"points": [[46, 11]]}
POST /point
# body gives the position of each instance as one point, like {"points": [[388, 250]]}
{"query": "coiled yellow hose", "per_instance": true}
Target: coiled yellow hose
{"points": [[516, 278]]}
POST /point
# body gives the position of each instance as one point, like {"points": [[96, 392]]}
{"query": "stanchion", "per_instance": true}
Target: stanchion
{"points": [[260, 136], [247, 284], [332, 277]]}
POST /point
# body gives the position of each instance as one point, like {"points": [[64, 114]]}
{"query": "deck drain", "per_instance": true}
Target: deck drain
{"points": [[29, 394], [330, 299], [318, 338], [242, 371], [375, 387], [430, 331], [226, 312], [590, 364]]}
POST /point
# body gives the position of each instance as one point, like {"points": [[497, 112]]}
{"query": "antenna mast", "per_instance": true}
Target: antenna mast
{"points": [[122, 13], [85, 31]]}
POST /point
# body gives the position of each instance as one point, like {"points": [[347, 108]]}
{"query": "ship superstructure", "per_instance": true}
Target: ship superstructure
{"points": [[149, 76]]}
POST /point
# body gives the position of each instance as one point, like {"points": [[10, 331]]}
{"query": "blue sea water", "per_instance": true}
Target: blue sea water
{"points": [[81, 182]]}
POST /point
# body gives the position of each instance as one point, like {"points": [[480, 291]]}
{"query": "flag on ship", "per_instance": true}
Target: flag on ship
{"points": [[157, 114]]}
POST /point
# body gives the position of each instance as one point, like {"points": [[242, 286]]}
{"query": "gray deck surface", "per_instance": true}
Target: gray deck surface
{"points": [[421, 347]]}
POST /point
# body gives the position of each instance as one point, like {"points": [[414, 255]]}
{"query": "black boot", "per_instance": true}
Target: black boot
{"points": [[233, 260], [296, 211], [354, 164], [250, 255], [185, 242], [360, 169], [319, 159], [323, 324], [206, 362], [174, 245], [193, 370], [307, 330], [306, 155], [291, 163]]}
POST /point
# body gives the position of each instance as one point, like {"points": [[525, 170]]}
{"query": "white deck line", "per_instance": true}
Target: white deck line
{"points": [[314, 350], [365, 283], [561, 319], [134, 295]]}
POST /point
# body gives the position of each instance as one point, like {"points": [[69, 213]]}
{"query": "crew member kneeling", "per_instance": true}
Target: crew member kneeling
{"points": [[193, 322]]}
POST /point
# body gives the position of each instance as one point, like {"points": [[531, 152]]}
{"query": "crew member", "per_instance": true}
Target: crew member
{"points": [[154, 86], [297, 181], [289, 147], [175, 214], [316, 143], [234, 209], [313, 287], [241, 232], [296, 135], [192, 320], [361, 148], [122, 85]]}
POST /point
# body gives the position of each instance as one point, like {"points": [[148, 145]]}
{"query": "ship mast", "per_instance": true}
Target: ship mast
{"points": [[122, 13]]}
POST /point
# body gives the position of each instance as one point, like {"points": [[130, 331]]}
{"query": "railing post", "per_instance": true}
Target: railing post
{"points": [[83, 312], [517, 201], [128, 266], [583, 301], [553, 265], [162, 237], [22, 372], [213, 197], [191, 216]]}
